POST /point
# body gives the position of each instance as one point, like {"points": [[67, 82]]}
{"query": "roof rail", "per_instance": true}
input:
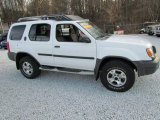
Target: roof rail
{"points": [[55, 17], [33, 18]]}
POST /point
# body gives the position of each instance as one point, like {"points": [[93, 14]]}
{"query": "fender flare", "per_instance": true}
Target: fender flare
{"points": [[101, 62], [23, 54]]}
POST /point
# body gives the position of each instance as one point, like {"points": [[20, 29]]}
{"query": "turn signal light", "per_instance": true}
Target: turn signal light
{"points": [[150, 52]]}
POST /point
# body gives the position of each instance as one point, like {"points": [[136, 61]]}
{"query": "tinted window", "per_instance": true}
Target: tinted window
{"points": [[4, 37], [40, 32], [17, 32], [92, 29]]}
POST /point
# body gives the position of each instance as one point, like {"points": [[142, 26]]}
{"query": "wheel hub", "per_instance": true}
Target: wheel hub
{"points": [[116, 77], [27, 68]]}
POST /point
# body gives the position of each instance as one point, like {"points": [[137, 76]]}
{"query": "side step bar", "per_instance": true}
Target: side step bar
{"points": [[66, 70]]}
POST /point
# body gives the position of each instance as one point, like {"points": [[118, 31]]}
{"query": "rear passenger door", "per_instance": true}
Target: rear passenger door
{"points": [[37, 41]]}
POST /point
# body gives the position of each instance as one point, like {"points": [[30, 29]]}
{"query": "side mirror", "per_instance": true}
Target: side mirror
{"points": [[85, 40]]}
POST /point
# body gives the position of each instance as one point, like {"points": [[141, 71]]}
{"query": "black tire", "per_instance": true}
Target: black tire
{"points": [[151, 34], [158, 35], [118, 65], [35, 67], [141, 32]]}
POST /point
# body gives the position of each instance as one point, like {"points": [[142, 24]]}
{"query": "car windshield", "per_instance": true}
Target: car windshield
{"points": [[92, 29]]}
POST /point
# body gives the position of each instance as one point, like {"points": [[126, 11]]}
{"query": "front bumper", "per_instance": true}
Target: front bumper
{"points": [[147, 67], [158, 33]]}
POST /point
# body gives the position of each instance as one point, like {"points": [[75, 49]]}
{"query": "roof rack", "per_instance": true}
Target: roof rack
{"points": [[56, 17]]}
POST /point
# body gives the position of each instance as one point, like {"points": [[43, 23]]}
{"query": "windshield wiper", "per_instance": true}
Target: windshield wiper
{"points": [[102, 36]]}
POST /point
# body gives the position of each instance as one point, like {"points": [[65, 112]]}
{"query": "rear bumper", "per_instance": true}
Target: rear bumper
{"points": [[12, 56], [147, 67]]}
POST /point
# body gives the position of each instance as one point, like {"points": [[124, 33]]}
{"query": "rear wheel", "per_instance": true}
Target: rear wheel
{"points": [[117, 76], [29, 67]]}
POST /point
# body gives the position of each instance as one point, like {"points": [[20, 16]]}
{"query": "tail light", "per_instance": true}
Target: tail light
{"points": [[8, 47]]}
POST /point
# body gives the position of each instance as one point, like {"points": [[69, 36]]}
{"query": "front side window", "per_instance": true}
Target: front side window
{"points": [[69, 33], [40, 32], [17, 32]]}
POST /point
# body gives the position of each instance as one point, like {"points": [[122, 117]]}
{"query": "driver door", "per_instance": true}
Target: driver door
{"points": [[71, 50]]}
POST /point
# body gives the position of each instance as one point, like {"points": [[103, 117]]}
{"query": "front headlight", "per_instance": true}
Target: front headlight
{"points": [[150, 52]]}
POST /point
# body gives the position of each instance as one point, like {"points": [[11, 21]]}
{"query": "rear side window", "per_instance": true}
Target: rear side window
{"points": [[40, 32], [17, 32]]}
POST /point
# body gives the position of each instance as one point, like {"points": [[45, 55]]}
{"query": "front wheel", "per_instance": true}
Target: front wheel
{"points": [[141, 32], [29, 67], [117, 76], [151, 34], [158, 35]]}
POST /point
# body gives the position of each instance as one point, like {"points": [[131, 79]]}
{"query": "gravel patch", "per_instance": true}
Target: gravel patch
{"points": [[60, 96]]}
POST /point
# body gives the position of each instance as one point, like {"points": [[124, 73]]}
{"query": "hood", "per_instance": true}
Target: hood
{"points": [[128, 39]]}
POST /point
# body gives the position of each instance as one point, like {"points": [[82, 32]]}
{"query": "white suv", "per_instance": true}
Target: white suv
{"points": [[67, 43]]}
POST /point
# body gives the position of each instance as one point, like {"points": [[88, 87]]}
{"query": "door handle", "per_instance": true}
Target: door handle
{"points": [[57, 46]]}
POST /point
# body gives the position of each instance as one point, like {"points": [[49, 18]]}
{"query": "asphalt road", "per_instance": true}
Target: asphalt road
{"points": [[60, 96]]}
